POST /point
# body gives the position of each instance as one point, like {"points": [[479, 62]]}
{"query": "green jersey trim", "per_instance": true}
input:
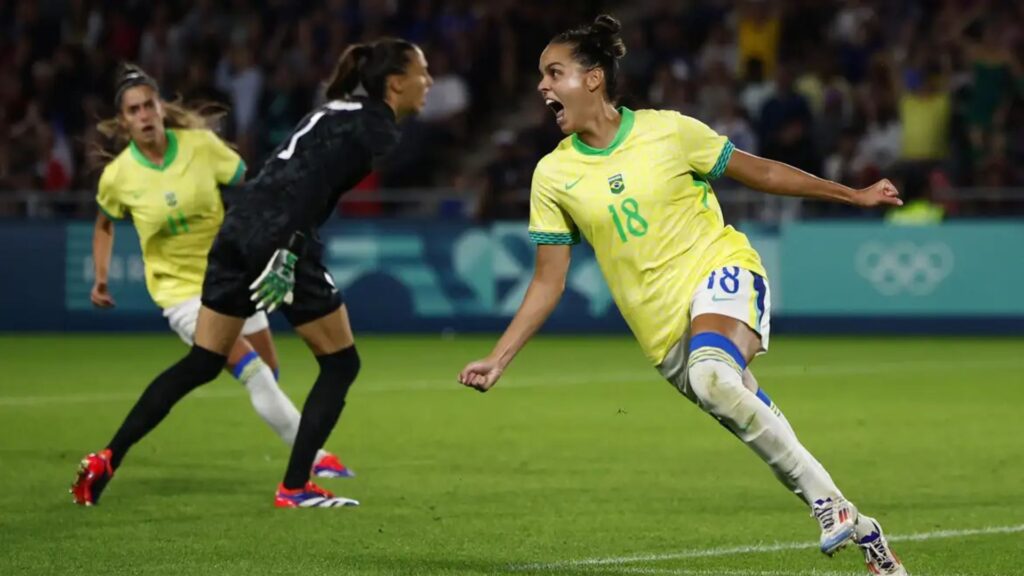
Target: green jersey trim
{"points": [[169, 155], [625, 127], [238, 173], [554, 237], [723, 160]]}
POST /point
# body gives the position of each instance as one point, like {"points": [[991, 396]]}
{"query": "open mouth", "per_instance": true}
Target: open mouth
{"points": [[557, 107]]}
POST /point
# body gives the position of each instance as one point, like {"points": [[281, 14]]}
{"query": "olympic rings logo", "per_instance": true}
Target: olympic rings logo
{"points": [[905, 267]]}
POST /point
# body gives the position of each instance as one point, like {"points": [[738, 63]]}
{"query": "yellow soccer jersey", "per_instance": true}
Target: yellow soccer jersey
{"points": [[646, 206], [175, 207]]}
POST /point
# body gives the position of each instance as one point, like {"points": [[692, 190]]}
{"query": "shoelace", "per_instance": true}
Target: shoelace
{"points": [[824, 514], [879, 553]]}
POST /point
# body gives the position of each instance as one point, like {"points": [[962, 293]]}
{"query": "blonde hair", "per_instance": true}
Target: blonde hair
{"points": [[199, 116]]}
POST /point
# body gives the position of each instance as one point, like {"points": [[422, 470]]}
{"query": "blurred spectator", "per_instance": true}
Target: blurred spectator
{"points": [[929, 91], [449, 96], [198, 85], [993, 69], [925, 108], [283, 104], [734, 124], [239, 76], [756, 88], [881, 144], [720, 50], [841, 166], [508, 178], [715, 93], [758, 33], [785, 125]]}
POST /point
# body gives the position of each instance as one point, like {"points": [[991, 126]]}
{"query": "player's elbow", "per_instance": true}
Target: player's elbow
{"points": [[769, 178], [549, 288], [103, 223]]}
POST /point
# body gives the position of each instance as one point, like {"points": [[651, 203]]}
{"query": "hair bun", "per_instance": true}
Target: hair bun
{"points": [[607, 27], [607, 24]]}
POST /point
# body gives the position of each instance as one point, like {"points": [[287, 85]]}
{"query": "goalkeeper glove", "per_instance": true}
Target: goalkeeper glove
{"points": [[276, 284]]}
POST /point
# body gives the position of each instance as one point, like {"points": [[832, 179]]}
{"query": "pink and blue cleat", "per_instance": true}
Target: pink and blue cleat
{"points": [[329, 466], [310, 496]]}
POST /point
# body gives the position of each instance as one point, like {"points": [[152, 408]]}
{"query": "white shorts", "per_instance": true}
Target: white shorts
{"points": [[729, 291], [737, 293], [183, 316]]}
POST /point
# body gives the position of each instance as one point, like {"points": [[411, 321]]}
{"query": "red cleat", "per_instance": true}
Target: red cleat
{"points": [[330, 466], [309, 496], [93, 474]]}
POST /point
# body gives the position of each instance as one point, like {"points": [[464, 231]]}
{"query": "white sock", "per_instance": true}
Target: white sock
{"points": [[750, 383], [270, 402], [715, 382], [267, 398]]}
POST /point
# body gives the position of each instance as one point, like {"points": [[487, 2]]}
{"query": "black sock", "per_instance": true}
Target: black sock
{"points": [[195, 369], [321, 411]]}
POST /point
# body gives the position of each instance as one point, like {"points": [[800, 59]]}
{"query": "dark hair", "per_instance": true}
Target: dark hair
{"points": [[597, 45], [368, 65], [129, 76]]}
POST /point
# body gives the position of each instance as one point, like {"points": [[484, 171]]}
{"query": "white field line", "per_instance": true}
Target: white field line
{"points": [[536, 381], [757, 549], [719, 572]]}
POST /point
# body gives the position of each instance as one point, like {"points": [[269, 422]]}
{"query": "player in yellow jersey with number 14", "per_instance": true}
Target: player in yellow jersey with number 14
{"points": [[167, 178], [636, 185]]}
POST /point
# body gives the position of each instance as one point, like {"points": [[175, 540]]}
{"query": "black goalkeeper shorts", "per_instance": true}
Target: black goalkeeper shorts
{"points": [[238, 258]]}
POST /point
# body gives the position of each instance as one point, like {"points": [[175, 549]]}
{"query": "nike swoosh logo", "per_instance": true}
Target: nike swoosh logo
{"points": [[715, 298], [571, 185]]}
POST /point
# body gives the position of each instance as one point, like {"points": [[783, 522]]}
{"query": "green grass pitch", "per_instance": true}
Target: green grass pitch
{"points": [[580, 453]]}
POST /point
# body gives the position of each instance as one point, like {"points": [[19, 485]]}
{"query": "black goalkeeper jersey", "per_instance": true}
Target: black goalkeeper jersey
{"points": [[331, 150]]}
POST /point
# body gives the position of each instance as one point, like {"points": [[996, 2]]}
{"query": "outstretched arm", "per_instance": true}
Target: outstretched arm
{"points": [[541, 298], [784, 180]]}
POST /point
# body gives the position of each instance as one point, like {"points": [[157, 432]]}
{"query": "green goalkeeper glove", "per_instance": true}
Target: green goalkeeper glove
{"points": [[274, 286]]}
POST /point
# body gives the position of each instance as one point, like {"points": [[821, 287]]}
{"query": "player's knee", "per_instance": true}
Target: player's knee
{"points": [[202, 365], [714, 373], [341, 367]]}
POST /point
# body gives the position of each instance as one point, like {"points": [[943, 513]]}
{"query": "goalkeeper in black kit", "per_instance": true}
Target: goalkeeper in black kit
{"points": [[268, 254]]}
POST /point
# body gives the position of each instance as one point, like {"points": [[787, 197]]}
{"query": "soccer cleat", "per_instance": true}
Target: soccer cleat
{"points": [[878, 556], [310, 496], [93, 474], [837, 517], [331, 467]]}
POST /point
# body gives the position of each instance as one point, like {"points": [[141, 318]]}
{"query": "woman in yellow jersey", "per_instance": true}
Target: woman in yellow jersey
{"points": [[167, 177], [268, 254], [636, 185]]}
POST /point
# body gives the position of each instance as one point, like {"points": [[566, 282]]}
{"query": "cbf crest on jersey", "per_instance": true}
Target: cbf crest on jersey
{"points": [[171, 198], [616, 185]]}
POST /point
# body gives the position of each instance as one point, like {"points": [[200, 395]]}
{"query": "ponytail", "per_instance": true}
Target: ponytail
{"points": [[368, 66], [346, 76]]}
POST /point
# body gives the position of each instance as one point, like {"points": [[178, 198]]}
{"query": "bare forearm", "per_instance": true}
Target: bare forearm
{"points": [[785, 180], [541, 299], [102, 246]]}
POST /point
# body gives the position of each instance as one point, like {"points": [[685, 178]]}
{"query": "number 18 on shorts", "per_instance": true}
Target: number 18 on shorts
{"points": [[737, 293]]}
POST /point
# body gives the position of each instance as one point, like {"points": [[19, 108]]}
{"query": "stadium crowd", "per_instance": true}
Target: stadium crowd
{"points": [[931, 92]]}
